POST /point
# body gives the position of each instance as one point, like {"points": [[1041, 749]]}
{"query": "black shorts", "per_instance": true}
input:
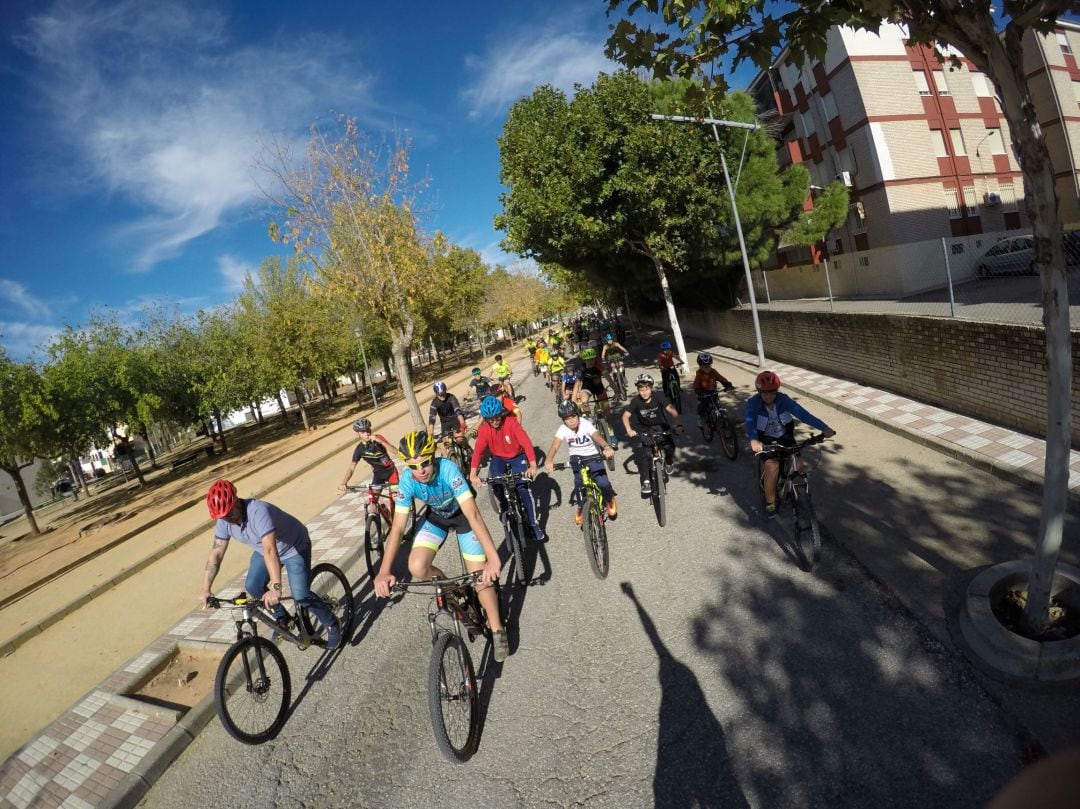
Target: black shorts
{"points": [[383, 475]]}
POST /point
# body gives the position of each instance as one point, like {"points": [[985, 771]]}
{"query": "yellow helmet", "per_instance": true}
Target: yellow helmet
{"points": [[417, 444]]}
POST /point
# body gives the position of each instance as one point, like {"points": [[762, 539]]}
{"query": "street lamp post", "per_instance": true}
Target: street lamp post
{"points": [[367, 370], [715, 122]]}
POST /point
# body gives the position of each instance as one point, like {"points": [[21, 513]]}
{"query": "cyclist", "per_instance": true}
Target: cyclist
{"points": [[613, 353], [543, 359], [479, 385], [705, 385], [771, 415], [279, 541], [376, 451], [501, 372], [568, 382], [584, 441], [509, 404], [558, 363], [642, 412], [446, 407], [511, 451], [590, 386], [450, 506], [669, 363]]}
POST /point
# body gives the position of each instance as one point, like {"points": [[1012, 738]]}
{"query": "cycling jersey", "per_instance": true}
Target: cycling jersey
{"points": [[543, 356], [373, 452], [443, 494], [501, 370], [706, 378], [569, 378], [482, 386], [592, 380], [613, 352], [557, 365], [448, 411], [508, 441], [777, 421]]}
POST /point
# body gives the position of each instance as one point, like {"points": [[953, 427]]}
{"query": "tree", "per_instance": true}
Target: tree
{"points": [[25, 418], [350, 210], [702, 32], [597, 187]]}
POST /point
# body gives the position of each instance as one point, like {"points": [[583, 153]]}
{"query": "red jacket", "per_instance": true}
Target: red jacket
{"points": [[508, 441]]}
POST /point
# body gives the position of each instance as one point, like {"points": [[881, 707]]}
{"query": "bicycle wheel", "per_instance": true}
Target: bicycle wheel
{"points": [[729, 441], [805, 526], [252, 690], [659, 493], [605, 433], [618, 386], [596, 545], [452, 698], [708, 426], [330, 584], [515, 534], [373, 544]]}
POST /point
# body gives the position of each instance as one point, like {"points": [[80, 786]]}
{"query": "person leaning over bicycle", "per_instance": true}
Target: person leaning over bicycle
{"points": [[511, 451], [376, 451], [543, 360], [584, 442], [669, 363], [447, 409], [279, 541], [568, 383], [705, 381], [479, 385], [501, 372], [590, 386], [642, 413], [440, 485], [770, 418], [613, 351]]}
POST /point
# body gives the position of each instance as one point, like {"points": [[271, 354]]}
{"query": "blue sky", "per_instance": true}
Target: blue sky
{"points": [[130, 131]]}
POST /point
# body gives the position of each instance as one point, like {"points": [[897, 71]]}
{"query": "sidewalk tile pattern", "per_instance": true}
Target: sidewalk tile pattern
{"points": [[81, 758]]}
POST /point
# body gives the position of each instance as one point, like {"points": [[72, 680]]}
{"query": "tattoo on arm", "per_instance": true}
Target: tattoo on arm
{"points": [[212, 568]]}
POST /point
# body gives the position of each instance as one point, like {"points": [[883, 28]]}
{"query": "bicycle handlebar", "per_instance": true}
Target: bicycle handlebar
{"points": [[774, 449], [242, 600], [463, 579]]}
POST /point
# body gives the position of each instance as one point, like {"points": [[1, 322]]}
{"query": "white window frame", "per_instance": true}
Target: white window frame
{"points": [[940, 83], [952, 203], [981, 85], [956, 138], [922, 86], [1007, 192], [1063, 42], [994, 141], [937, 141], [971, 200]]}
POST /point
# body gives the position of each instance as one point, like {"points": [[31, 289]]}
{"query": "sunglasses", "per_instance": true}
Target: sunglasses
{"points": [[421, 465]]}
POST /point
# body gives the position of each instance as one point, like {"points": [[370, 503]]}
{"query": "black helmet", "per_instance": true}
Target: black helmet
{"points": [[568, 408], [362, 426]]}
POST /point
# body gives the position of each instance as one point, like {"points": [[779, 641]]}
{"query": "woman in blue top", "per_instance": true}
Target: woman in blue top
{"points": [[771, 415]]}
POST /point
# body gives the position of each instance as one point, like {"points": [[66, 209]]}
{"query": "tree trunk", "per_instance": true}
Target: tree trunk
{"points": [[258, 411], [24, 495], [281, 407], [356, 389], [303, 408], [129, 450], [673, 318], [399, 349], [221, 430], [387, 370], [149, 447], [75, 468], [254, 416]]}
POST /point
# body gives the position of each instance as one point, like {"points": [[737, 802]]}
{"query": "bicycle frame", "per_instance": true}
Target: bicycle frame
{"points": [[253, 613]]}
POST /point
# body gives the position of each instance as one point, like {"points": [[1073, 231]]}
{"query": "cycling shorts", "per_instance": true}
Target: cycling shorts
{"points": [[383, 475], [433, 530]]}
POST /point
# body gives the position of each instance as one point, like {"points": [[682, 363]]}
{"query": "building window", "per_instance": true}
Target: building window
{"points": [[971, 202], [993, 142], [1063, 41], [937, 140], [828, 102], [957, 138], [958, 248], [952, 203], [920, 82], [1008, 197], [981, 86], [864, 261], [939, 82], [1076, 90]]}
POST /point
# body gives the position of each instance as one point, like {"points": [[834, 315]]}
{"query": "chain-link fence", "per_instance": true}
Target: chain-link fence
{"points": [[987, 277]]}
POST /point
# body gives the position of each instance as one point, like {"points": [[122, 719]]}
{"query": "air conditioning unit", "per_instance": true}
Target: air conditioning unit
{"points": [[845, 178], [990, 199]]}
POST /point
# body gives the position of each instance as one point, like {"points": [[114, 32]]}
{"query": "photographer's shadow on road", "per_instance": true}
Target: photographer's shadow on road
{"points": [[693, 768]]}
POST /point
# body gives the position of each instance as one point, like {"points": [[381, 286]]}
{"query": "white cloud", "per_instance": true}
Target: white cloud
{"points": [[514, 67], [161, 109], [24, 340], [233, 271], [15, 293]]}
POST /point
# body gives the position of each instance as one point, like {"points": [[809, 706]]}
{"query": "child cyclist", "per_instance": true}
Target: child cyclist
{"points": [[705, 381], [771, 415], [669, 363], [501, 372], [376, 451], [586, 446]]}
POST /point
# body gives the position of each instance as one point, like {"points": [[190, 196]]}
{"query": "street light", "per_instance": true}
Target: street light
{"points": [[367, 370], [715, 122]]}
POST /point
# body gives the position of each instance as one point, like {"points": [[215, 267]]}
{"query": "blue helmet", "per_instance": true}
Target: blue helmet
{"points": [[665, 346], [439, 388], [490, 408], [608, 338], [704, 359]]}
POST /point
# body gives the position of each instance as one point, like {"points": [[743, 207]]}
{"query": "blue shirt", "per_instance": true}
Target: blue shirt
{"points": [[260, 518], [442, 494], [762, 422]]}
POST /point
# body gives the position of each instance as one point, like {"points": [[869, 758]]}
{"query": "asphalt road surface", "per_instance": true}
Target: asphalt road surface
{"points": [[707, 670]]}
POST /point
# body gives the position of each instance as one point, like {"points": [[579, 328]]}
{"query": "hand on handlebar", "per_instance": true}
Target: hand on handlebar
{"points": [[383, 583], [828, 433], [490, 571], [530, 473], [205, 597], [756, 446]]}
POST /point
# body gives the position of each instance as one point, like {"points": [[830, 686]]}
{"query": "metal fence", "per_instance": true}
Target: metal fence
{"points": [[987, 278]]}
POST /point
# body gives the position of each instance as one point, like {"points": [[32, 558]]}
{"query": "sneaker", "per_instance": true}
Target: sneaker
{"points": [[612, 509], [500, 646], [577, 517], [770, 511], [333, 635], [646, 487], [538, 532], [669, 468]]}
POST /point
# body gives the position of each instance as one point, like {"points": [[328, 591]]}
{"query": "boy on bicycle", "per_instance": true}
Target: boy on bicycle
{"points": [[447, 409], [584, 442], [771, 415], [376, 451], [705, 381], [440, 485], [590, 385], [501, 373], [669, 363], [279, 541], [645, 411]]}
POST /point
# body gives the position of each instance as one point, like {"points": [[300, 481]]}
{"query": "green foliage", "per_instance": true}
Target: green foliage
{"points": [[26, 414], [829, 211]]}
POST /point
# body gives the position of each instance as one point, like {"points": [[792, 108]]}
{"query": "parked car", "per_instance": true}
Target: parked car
{"points": [[1014, 255]]}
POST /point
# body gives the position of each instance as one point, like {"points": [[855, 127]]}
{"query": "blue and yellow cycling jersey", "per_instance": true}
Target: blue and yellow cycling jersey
{"points": [[443, 494]]}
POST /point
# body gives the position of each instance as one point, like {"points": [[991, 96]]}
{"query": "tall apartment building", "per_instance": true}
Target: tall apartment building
{"points": [[922, 146]]}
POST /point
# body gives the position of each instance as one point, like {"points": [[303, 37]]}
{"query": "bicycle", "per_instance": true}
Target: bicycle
{"points": [[380, 516], [618, 378], [654, 439], [252, 688], [514, 518], [453, 698], [455, 451], [594, 518], [717, 423], [672, 387], [595, 413], [793, 496]]}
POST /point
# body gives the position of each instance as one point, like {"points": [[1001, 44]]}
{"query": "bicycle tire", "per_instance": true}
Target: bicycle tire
{"points": [[453, 701], [373, 544], [729, 440], [619, 387], [659, 493], [596, 544], [251, 707], [605, 433], [806, 532], [330, 584], [708, 427], [515, 533]]}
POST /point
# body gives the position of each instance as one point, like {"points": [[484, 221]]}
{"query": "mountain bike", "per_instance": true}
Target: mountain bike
{"points": [[514, 518], [618, 378], [456, 451], [593, 518], [793, 500], [453, 697], [379, 517], [593, 411], [717, 423], [655, 439], [252, 689], [672, 388]]}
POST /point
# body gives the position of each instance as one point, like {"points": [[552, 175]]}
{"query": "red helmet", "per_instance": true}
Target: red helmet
{"points": [[220, 499], [767, 380]]}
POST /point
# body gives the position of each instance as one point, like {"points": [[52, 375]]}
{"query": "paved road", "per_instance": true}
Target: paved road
{"points": [[719, 675]]}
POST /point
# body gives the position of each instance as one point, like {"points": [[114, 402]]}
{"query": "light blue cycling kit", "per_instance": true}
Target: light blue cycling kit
{"points": [[443, 495]]}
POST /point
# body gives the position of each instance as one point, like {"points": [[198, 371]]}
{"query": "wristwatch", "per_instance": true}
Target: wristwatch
{"points": [[276, 586]]}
